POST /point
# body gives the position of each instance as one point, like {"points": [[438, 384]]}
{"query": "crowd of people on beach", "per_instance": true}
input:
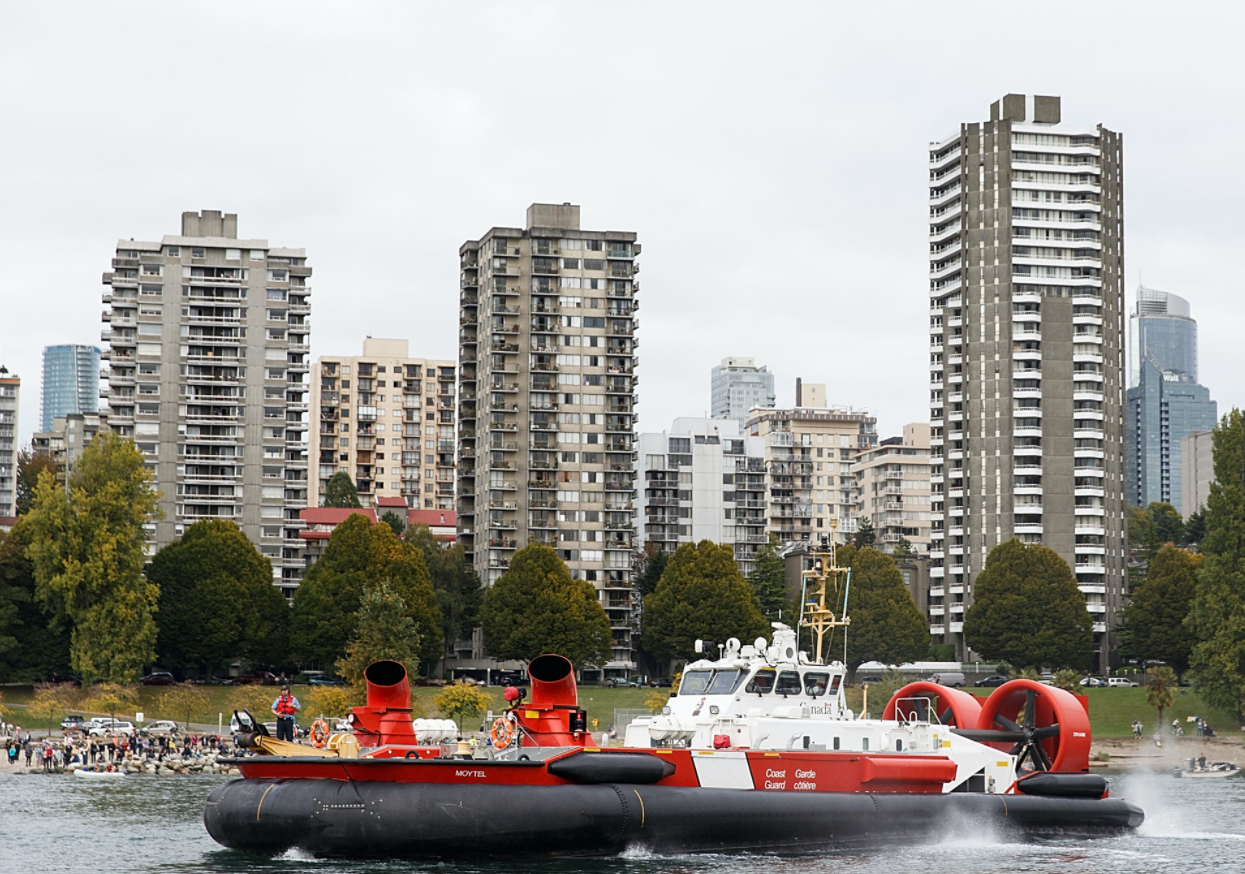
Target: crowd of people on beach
{"points": [[120, 752]]}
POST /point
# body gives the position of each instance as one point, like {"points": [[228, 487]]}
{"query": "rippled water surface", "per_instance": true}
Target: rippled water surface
{"points": [[154, 824]]}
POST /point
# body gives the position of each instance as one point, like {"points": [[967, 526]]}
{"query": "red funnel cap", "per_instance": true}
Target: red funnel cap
{"points": [[388, 686], [553, 682]]}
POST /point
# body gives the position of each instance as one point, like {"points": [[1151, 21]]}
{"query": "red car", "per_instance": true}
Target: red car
{"points": [[263, 678]]}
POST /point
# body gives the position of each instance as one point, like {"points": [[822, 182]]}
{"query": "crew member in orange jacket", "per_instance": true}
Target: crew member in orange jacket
{"points": [[285, 707]]}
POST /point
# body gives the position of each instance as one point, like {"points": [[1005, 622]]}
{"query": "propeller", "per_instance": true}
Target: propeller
{"points": [[1026, 735]]}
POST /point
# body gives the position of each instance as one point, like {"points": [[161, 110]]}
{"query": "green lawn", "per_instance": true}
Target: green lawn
{"points": [[1111, 711]]}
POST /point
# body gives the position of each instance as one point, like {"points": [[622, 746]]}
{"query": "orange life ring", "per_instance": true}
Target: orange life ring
{"points": [[502, 732], [319, 733]]}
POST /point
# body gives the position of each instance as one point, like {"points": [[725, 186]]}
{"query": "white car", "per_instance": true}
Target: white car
{"points": [[160, 728], [111, 726], [1121, 682]]}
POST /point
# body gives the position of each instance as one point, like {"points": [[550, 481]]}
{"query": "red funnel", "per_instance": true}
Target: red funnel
{"points": [[553, 682], [388, 687]]}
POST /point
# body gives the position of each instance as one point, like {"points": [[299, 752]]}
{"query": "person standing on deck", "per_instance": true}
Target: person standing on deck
{"points": [[285, 707]]}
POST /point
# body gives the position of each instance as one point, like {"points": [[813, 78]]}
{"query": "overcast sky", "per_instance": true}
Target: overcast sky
{"points": [[771, 157]]}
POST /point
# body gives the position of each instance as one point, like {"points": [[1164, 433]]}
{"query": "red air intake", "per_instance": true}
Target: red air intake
{"points": [[553, 682], [387, 715]]}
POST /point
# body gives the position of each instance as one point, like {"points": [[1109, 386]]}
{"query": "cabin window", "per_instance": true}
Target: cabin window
{"points": [[836, 743], [724, 682], [864, 744], [815, 684], [762, 683], [899, 745], [695, 682], [788, 683], [834, 684]]}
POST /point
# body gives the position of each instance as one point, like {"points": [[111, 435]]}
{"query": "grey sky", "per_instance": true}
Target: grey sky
{"points": [[771, 157]]}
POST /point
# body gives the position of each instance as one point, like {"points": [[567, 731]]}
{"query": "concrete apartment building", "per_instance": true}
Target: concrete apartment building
{"points": [[547, 399], [809, 452], [70, 383], [702, 480], [10, 397], [892, 489], [208, 353], [67, 438], [388, 420], [736, 386], [1164, 402], [1026, 353], [1197, 462]]}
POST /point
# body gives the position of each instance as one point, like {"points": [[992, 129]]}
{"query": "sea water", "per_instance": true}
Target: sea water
{"points": [[61, 823]]}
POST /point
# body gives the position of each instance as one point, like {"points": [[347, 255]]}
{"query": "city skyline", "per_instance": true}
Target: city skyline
{"points": [[704, 177]]}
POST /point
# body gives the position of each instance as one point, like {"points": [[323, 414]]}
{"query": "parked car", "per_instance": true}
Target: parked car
{"points": [[159, 728], [107, 726], [991, 682], [321, 680], [260, 678], [1093, 682], [73, 722], [955, 679], [1121, 683], [159, 678], [663, 682], [871, 679]]}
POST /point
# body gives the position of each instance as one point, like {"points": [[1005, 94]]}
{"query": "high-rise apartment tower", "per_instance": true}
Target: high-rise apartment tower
{"points": [[1026, 354], [70, 383], [387, 420], [10, 397], [209, 338], [547, 403], [736, 386]]}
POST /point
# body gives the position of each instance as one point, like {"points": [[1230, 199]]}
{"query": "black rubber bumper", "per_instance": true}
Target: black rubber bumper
{"points": [[434, 821]]}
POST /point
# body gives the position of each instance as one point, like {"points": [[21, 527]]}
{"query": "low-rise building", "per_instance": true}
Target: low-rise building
{"points": [[892, 489], [68, 437]]}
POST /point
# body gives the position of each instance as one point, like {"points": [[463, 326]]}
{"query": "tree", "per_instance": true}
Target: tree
{"points": [[455, 582], [326, 606], [32, 647], [217, 601], [385, 630], [53, 699], [112, 698], [335, 700], [1154, 620], [1168, 526], [1195, 528], [257, 700], [461, 700], [1028, 610], [1159, 689], [654, 567], [886, 624], [769, 583], [394, 521], [1142, 534], [182, 700], [29, 465], [1067, 680], [87, 549], [340, 491], [865, 535], [903, 547], [1217, 616], [536, 607], [701, 595]]}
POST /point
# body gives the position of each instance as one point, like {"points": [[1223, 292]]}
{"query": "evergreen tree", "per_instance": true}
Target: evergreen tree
{"points": [[455, 581], [32, 647], [886, 625], [1159, 689], [1195, 528], [654, 567], [340, 491], [769, 583], [536, 607], [1154, 619], [864, 535], [701, 595], [385, 630], [394, 521], [1217, 617], [217, 601], [1027, 610], [88, 549], [1168, 526], [903, 547], [326, 606]]}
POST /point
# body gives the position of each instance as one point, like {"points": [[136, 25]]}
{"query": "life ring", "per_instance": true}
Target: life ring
{"points": [[502, 732], [319, 733]]}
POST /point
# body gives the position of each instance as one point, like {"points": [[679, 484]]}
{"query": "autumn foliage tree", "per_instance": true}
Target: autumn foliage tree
{"points": [[87, 551], [536, 607], [1027, 610], [702, 595]]}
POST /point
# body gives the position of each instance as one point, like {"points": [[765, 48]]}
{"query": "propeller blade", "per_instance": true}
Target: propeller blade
{"points": [[1047, 732], [1030, 702], [1019, 750], [1042, 757], [991, 735], [1005, 723]]}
